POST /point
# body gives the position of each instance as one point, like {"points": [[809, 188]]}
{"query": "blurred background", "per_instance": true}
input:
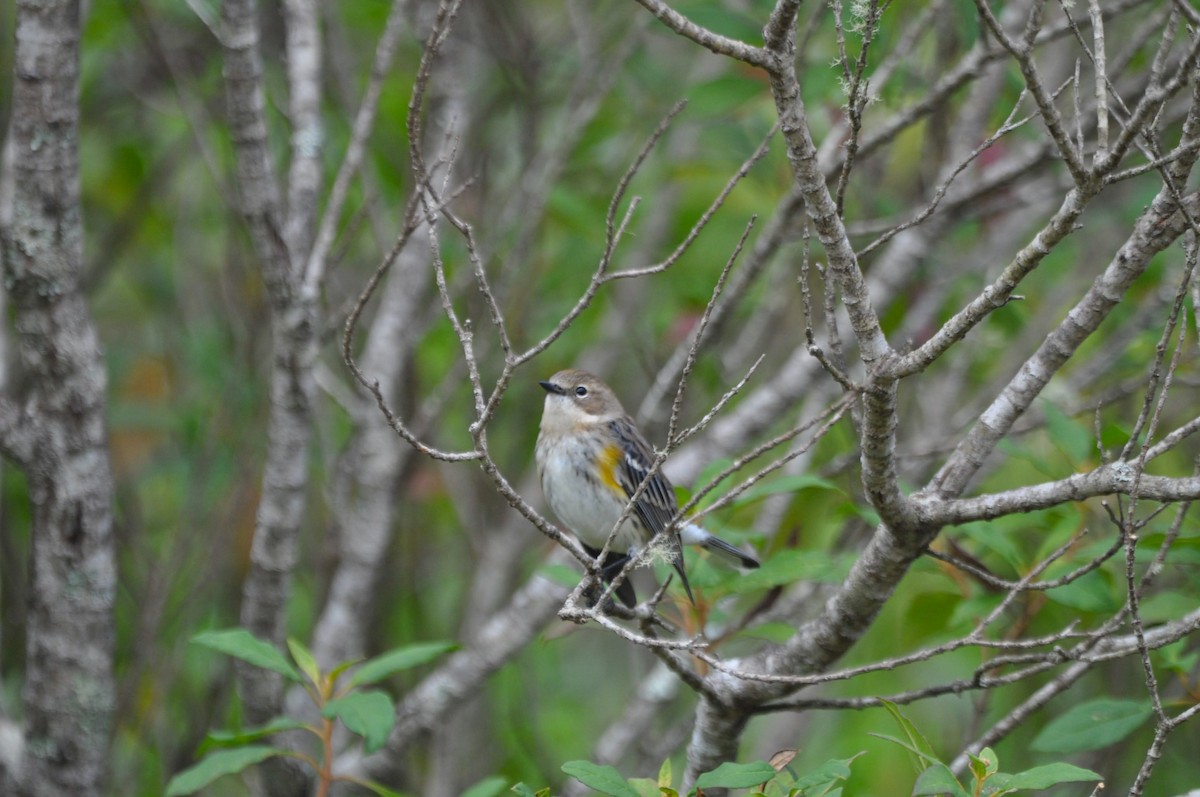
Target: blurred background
{"points": [[546, 105]]}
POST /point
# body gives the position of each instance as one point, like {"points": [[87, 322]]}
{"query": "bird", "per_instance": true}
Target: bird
{"points": [[591, 459]]}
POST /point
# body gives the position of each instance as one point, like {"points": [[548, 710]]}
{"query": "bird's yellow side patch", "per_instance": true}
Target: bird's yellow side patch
{"points": [[609, 458]]}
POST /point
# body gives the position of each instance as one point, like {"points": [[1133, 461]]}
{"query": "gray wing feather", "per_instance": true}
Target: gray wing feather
{"points": [[657, 505]]}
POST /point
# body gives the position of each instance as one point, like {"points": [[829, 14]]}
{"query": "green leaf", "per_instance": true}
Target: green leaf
{"points": [[1002, 545], [241, 644], [731, 775], [823, 777], [1075, 440], [392, 662], [938, 779], [917, 743], [967, 612], [1177, 657], [790, 566], [563, 575], [488, 787], [785, 484], [730, 21], [523, 790], [771, 632], [601, 777], [722, 96], [1184, 550], [302, 657], [1092, 725], [1163, 607], [984, 765], [337, 671], [218, 765], [368, 713], [1046, 776], [1089, 593], [244, 735], [645, 787], [664, 773]]}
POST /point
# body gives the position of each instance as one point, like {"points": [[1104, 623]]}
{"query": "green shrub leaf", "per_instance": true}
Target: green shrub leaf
{"points": [[525, 791], [241, 644], [302, 657], [488, 787], [244, 735], [1044, 777], [731, 775], [368, 713], [1092, 725], [218, 765], [601, 777], [938, 779], [388, 664], [821, 779], [917, 743], [984, 765], [788, 567]]}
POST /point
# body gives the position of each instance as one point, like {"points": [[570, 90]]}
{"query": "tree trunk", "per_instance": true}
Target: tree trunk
{"points": [[56, 432]]}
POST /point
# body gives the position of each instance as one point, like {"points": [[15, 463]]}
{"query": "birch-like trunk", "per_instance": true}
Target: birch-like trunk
{"points": [[55, 430]]}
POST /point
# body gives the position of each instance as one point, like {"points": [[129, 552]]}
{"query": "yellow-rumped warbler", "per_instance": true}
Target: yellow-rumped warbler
{"points": [[592, 459]]}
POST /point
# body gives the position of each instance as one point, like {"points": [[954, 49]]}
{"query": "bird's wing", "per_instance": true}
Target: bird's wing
{"points": [[656, 506]]}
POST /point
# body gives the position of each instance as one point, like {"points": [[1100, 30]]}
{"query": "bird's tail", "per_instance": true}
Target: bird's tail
{"points": [[694, 535]]}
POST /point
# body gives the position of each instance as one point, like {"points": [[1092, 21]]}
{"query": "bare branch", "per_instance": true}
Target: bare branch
{"points": [[1022, 52], [612, 238], [1099, 64], [1000, 292], [1157, 227], [698, 337], [715, 42], [1115, 479], [702, 222], [411, 225], [364, 123], [305, 170]]}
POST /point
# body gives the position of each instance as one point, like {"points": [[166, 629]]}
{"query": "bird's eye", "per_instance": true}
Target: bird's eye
{"points": [[581, 391]]}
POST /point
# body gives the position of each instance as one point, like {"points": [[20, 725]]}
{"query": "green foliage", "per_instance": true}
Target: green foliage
{"points": [[788, 567], [524, 791], [601, 777], [825, 779], [732, 775], [406, 658], [367, 713], [488, 787], [186, 330], [934, 777], [775, 778], [243, 736], [218, 765], [919, 748], [1093, 725], [938, 779], [241, 644]]}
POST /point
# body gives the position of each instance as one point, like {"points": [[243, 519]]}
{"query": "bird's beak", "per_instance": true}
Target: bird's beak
{"points": [[550, 387]]}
